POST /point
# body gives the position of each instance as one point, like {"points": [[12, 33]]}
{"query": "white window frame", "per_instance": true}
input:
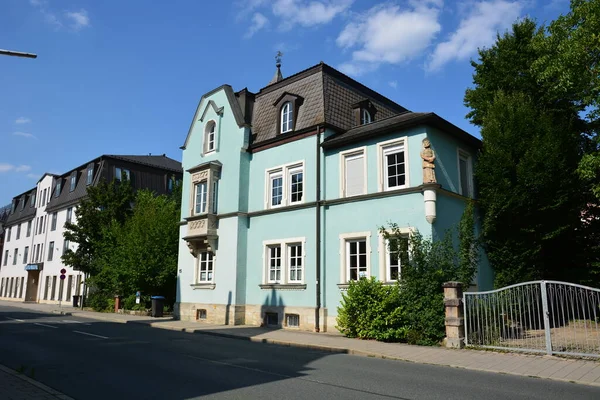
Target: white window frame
{"points": [[208, 149], [384, 252], [364, 112], [299, 259], [205, 193], [210, 262], [352, 153], [381, 163], [73, 182], [50, 251], [284, 244], [290, 117], [344, 256], [269, 249], [89, 175], [463, 154], [272, 176], [285, 172]]}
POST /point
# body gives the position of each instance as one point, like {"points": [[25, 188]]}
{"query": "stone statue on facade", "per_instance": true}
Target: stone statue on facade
{"points": [[428, 166]]}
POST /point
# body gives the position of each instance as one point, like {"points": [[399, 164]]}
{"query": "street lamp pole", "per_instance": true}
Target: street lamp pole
{"points": [[17, 54]]}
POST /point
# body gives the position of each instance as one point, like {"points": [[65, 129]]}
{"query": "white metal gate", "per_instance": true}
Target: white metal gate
{"points": [[540, 316]]}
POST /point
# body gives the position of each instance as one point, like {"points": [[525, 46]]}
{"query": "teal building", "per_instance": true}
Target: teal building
{"points": [[284, 191]]}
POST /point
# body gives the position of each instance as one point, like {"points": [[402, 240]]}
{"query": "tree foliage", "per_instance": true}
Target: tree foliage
{"points": [[529, 190], [142, 252], [106, 204], [569, 67], [126, 242], [412, 310]]}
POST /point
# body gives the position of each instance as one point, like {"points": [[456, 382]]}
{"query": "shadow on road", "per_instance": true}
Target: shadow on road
{"points": [[134, 360]]}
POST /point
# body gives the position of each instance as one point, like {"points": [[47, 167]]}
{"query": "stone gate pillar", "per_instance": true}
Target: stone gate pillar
{"points": [[455, 328]]}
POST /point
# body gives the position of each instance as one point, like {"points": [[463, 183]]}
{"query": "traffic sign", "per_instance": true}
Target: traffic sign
{"points": [[62, 274]]}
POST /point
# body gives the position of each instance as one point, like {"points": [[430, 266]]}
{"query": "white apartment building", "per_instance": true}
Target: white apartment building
{"points": [[33, 241]]}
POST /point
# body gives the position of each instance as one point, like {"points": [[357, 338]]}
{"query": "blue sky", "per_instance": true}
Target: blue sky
{"points": [[124, 77]]}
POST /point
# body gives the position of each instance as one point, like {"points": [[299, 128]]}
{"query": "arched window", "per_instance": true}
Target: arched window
{"points": [[365, 117], [210, 138], [287, 117]]}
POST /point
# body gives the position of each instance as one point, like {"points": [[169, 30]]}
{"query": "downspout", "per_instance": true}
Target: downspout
{"points": [[318, 231]]}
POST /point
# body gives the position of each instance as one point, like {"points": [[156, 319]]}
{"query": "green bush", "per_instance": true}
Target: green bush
{"points": [[412, 310], [371, 310], [100, 302]]}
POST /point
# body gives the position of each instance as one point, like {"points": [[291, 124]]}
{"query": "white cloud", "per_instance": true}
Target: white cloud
{"points": [[33, 176], [25, 135], [259, 21], [477, 30], [393, 84], [22, 120], [79, 19], [74, 20], [308, 13], [4, 167], [388, 33]]}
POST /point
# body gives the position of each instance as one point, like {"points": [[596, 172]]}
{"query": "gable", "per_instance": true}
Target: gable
{"points": [[206, 104]]}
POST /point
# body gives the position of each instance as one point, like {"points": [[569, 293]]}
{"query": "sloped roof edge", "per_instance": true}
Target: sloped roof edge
{"points": [[235, 107]]}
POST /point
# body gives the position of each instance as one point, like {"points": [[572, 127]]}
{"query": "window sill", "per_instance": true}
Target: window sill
{"points": [[283, 286], [343, 286], [208, 286]]}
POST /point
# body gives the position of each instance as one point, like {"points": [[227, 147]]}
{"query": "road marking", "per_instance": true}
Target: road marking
{"points": [[15, 319], [91, 334], [67, 321], [48, 326]]}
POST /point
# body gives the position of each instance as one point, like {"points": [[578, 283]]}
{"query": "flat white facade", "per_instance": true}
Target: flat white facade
{"points": [[30, 270]]}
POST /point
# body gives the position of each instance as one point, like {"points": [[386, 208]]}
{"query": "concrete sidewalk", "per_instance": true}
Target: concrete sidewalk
{"points": [[16, 386], [549, 367]]}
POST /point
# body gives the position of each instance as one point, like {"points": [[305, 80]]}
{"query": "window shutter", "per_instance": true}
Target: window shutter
{"points": [[355, 179]]}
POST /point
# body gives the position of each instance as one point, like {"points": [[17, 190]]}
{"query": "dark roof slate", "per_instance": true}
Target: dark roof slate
{"points": [[161, 161], [328, 95], [310, 113], [399, 122], [22, 213]]}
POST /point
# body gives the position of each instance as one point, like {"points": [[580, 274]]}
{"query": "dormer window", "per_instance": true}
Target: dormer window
{"points": [[90, 174], [210, 137], [288, 106], [73, 181], [287, 117], [32, 199], [58, 188], [365, 117], [364, 112]]}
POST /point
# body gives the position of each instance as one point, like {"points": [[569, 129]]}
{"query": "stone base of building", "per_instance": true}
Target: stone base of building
{"points": [[15, 299], [287, 317]]}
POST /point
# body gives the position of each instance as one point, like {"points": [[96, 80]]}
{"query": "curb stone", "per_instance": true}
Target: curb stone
{"points": [[35, 383]]}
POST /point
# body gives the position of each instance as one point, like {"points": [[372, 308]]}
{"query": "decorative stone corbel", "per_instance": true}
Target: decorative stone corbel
{"points": [[430, 198]]}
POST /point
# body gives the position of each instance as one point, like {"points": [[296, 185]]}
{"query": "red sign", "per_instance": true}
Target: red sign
{"points": [[63, 271]]}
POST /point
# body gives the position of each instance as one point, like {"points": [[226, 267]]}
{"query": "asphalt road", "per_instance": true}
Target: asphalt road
{"points": [[88, 359]]}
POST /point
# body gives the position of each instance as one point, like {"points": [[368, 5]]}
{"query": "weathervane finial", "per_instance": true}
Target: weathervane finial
{"points": [[278, 58]]}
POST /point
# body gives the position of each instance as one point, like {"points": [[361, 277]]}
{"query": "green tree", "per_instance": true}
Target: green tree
{"points": [[106, 204], [528, 189], [143, 250], [569, 68]]}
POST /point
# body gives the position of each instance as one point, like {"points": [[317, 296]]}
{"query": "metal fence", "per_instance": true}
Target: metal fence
{"points": [[540, 316]]}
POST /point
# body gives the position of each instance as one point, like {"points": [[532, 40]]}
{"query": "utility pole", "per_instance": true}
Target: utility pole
{"points": [[17, 54]]}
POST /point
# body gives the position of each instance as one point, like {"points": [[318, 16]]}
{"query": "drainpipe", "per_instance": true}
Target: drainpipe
{"points": [[318, 231]]}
